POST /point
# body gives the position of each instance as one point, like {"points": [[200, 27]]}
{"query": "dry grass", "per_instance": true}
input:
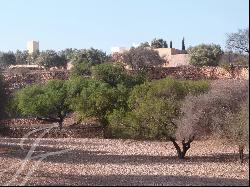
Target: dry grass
{"points": [[122, 162]]}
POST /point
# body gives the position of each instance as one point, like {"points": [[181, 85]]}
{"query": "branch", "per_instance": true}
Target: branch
{"points": [[49, 119], [177, 147]]}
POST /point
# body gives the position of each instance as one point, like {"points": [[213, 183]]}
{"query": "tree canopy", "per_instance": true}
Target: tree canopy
{"points": [[140, 59], [48, 102], [49, 59], [158, 43], [92, 56], [216, 112], [238, 41], [152, 107], [115, 74], [205, 55], [7, 59]]}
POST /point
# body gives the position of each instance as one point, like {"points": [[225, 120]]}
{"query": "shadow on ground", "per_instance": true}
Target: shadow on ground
{"points": [[103, 157]]}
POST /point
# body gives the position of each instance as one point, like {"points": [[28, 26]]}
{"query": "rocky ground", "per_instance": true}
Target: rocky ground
{"points": [[118, 162]]}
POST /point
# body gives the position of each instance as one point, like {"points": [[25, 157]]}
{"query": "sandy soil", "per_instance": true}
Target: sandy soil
{"points": [[118, 162]]}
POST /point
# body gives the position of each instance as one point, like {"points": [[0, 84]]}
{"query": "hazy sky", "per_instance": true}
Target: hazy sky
{"points": [[102, 24]]}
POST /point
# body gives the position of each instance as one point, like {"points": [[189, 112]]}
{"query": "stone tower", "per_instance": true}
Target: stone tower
{"points": [[32, 46]]}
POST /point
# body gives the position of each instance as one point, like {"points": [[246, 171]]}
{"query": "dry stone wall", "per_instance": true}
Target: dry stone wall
{"points": [[20, 80], [195, 73], [67, 132], [18, 128]]}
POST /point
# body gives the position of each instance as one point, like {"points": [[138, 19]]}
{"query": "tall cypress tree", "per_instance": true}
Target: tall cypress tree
{"points": [[183, 44], [171, 44]]}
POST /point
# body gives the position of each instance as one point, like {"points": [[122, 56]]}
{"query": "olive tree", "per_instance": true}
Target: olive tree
{"points": [[68, 53], [50, 58], [159, 43], [91, 56], [7, 59], [139, 59], [21, 57], [205, 55]]}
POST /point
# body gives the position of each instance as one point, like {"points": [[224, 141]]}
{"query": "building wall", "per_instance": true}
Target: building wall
{"points": [[177, 60], [174, 57]]}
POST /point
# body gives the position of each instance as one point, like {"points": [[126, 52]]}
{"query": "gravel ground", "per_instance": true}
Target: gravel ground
{"points": [[118, 162]]}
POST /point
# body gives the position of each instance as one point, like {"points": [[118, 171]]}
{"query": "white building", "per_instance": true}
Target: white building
{"points": [[118, 50], [32, 46]]}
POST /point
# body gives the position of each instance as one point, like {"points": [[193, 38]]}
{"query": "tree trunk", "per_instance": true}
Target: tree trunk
{"points": [[241, 153], [60, 124], [185, 147]]}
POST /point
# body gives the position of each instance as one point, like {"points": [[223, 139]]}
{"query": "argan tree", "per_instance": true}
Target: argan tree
{"points": [[152, 107], [115, 74], [206, 114], [47, 102]]}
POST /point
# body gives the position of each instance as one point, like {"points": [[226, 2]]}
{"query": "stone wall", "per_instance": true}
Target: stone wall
{"points": [[66, 132], [18, 128], [195, 73], [19, 80]]}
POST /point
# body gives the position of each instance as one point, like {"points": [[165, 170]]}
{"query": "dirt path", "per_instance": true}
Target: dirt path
{"points": [[117, 162]]}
